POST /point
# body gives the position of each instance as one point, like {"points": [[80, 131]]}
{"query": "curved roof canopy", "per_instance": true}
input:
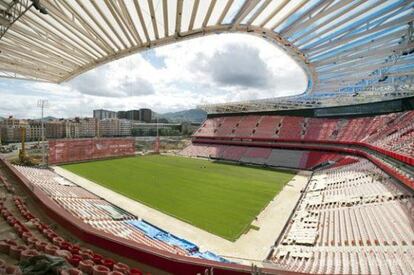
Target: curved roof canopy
{"points": [[342, 45]]}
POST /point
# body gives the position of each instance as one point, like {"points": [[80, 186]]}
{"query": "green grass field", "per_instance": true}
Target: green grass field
{"points": [[220, 198]]}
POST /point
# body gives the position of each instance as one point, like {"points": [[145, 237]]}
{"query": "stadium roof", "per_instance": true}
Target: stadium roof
{"points": [[342, 45]]}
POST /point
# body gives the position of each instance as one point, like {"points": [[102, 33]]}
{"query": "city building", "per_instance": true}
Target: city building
{"points": [[133, 115], [88, 127], [72, 128], [10, 133], [124, 127], [55, 129], [10, 129], [10, 121], [114, 127], [122, 114], [104, 114], [34, 130], [145, 115]]}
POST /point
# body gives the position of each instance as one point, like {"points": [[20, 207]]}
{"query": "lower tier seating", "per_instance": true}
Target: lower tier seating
{"points": [[25, 236], [351, 219], [104, 216], [297, 159]]}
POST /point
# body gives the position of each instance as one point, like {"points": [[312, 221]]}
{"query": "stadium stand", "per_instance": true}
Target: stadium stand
{"points": [[296, 159], [102, 215], [390, 134], [358, 59], [30, 236], [353, 219], [355, 216]]}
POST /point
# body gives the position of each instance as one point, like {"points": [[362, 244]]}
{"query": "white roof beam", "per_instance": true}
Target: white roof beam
{"points": [[178, 16], [373, 42], [142, 21], [50, 44], [103, 30], [86, 53], [20, 50], [293, 26], [209, 11], [113, 9], [258, 11], [286, 16], [244, 11], [130, 24], [224, 12], [25, 42], [274, 12], [362, 54], [345, 39], [327, 12], [153, 18], [108, 23], [165, 15], [74, 29], [103, 42], [345, 31], [193, 14], [27, 68]]}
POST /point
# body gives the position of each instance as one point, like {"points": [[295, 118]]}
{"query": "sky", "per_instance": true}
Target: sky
{"points": [[212, 69]]}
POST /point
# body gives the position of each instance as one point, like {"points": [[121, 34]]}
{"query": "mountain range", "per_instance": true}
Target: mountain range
{"points": [[191, 115]]}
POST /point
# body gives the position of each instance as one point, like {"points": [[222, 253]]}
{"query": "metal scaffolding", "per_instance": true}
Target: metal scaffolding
{"points": [[345, 47]]}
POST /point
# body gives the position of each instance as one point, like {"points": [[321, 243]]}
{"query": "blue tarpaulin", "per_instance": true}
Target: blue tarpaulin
{"points": [[159, 234], [164, 236]]}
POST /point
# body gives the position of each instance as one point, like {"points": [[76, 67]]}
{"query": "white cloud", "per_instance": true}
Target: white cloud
{"points": [[212, 69]]}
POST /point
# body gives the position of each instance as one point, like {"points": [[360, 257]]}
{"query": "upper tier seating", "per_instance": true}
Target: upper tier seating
{"points": [[246, 126], [292, 128], [393, 132], [267, 126]]}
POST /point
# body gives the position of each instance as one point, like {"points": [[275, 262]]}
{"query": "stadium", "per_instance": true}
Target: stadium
{"points": [[317, 183]]}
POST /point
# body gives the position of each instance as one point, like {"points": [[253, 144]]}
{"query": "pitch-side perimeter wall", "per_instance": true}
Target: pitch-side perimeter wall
{"points": [[74, 150]]}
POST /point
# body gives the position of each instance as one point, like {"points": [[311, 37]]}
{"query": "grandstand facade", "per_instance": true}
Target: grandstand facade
{"points": [[356, 213], [352, 127]]}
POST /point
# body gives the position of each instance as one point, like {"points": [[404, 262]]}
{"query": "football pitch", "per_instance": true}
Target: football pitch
{"points": [[222, 199]]}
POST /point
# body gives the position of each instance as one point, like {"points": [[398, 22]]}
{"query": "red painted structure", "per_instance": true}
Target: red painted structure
{"points": [[75, 150]]}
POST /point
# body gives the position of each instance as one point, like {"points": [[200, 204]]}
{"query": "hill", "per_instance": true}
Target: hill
{"points": [[192, 115]]}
